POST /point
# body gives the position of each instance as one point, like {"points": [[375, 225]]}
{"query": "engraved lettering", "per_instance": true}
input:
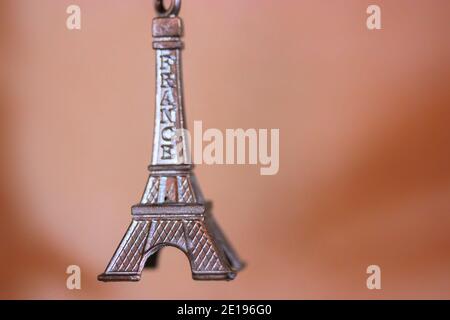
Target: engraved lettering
{"points": [[168, 115], [168, 80], [167, 98], [167, 133], [168, 104], [167, 152], [166, 62]]}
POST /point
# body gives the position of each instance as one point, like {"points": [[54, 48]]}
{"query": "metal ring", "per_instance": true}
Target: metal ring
{"points": [[173, 10]]}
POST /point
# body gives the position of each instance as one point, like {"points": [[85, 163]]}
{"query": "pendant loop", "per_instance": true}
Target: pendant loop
{"points": [[173, 10]]}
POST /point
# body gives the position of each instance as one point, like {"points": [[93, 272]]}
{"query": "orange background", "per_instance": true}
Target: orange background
{"points": [[364, 153]]}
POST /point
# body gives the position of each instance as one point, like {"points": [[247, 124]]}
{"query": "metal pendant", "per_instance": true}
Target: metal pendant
{"points": [[172, 211]]}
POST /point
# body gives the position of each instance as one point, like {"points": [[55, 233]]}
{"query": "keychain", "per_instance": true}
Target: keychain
{"points": [[172, 211]]}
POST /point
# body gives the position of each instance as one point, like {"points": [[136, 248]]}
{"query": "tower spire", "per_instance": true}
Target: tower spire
{"points": [[169, 146]]}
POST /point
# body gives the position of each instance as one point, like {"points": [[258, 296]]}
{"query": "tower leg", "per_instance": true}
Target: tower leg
{"points": [[207, 256], [210, 258], [126, 263], [234, 260]]}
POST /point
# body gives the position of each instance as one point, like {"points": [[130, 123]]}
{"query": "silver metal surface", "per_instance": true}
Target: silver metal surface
{"points": [[173, 10], [172, 211]]}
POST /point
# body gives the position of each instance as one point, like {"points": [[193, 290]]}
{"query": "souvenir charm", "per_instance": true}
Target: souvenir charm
{"points": [[172, 211]]}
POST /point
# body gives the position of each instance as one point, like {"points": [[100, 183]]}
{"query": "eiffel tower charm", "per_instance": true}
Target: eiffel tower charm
{"points": [[172, 211]]}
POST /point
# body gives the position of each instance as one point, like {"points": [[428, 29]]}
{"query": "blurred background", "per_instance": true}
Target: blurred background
{"points": [[364, 145]]}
